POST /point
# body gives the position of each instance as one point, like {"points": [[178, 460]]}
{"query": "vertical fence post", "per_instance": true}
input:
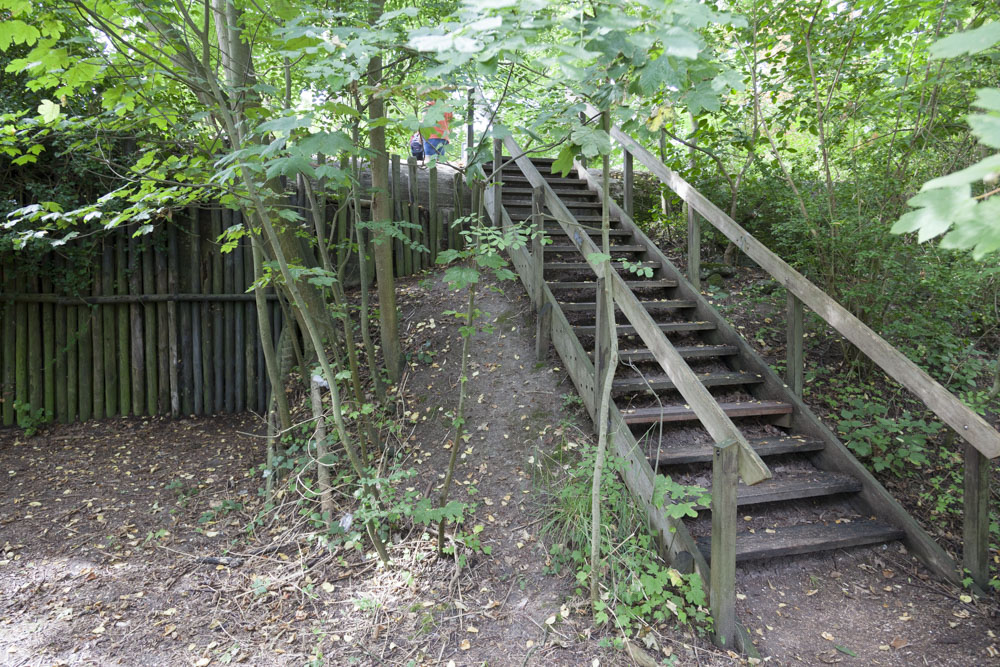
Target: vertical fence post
{"points": [[398, 247], [414, 232], [435, 217], [543, 328], [694, 247], [8, 326], [723, 569], [794, 370], [111, 378], [976, 527], [628, 194], [497, 193]]}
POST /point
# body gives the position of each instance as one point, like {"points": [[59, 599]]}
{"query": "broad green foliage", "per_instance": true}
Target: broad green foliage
{"points": [[947, 205]]}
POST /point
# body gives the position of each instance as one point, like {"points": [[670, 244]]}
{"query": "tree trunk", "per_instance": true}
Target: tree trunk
{"points": [[382, 218]]}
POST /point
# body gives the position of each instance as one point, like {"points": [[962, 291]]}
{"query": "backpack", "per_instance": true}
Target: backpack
{"points": [[417, 146]]}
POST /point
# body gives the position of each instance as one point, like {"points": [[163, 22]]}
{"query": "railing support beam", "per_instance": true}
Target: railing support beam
{"points": [[794, 366], [976, 527], [628, 186], [723, 566]]}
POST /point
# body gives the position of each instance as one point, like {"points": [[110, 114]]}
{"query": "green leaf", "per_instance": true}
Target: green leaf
{"points": [[284, 124], [598, 258], [937, 210], [968, 42], [591, 140], [564, 161], [987, 128], [988, 98], [17, 32], [459, 277], [48, 110], [976, 172]]}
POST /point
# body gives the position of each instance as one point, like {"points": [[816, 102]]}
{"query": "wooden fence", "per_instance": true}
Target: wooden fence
{"points": [[163, 324]]}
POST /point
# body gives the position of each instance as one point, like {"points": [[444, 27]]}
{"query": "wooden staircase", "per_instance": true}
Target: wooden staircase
{"points": [[819, 497]]}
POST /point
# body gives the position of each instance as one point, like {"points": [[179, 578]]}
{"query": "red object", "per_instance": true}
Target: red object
{"points": [[440, 130]]}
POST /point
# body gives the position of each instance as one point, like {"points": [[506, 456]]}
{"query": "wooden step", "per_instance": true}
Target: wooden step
{"points": [[807, 538], [513, 175], [526, 203], [556, 285], [651, 306], [669, 455], [559, 231], [621, 386], [572, 192], [687, 352], [665, 327], [583, 266], [614, 248], [680, 413], [533, 158], [795, 486]]}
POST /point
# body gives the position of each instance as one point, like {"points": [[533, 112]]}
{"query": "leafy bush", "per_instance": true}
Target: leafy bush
{"points": [[640, 588]]}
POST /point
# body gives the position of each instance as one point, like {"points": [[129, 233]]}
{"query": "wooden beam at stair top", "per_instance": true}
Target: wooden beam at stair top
{"points": [[669, 455], [719, 426], [973, 428], [636, 384]]}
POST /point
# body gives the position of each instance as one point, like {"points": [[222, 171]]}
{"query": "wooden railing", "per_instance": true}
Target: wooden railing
{"points": [[982, 440]]}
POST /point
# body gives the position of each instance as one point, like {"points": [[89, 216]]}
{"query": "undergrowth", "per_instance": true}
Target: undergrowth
{"points": [[639, 592]]}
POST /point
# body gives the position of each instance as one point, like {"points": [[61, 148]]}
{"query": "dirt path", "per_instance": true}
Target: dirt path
{"points": [[102, 526]]}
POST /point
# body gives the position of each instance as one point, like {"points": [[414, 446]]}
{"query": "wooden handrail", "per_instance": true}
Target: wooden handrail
{"points": [[716, 422], [973, 428]]}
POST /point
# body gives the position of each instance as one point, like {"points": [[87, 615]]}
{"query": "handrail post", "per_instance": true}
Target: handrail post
{"points": [[694, 247], [628, 194], [543, 328], [976, 526], [725, 461], [794, 366], [497, 194]]}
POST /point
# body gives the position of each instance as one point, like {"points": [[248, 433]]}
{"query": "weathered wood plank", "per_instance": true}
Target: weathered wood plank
{"points": [[151, 328], [795, 361], [725, 468], [162, 333], [111, 379], [194, 273], [97, 343], [976, 523], [679, 413], [809, 538], [36, 391], [172, 283], [48, 351]]}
